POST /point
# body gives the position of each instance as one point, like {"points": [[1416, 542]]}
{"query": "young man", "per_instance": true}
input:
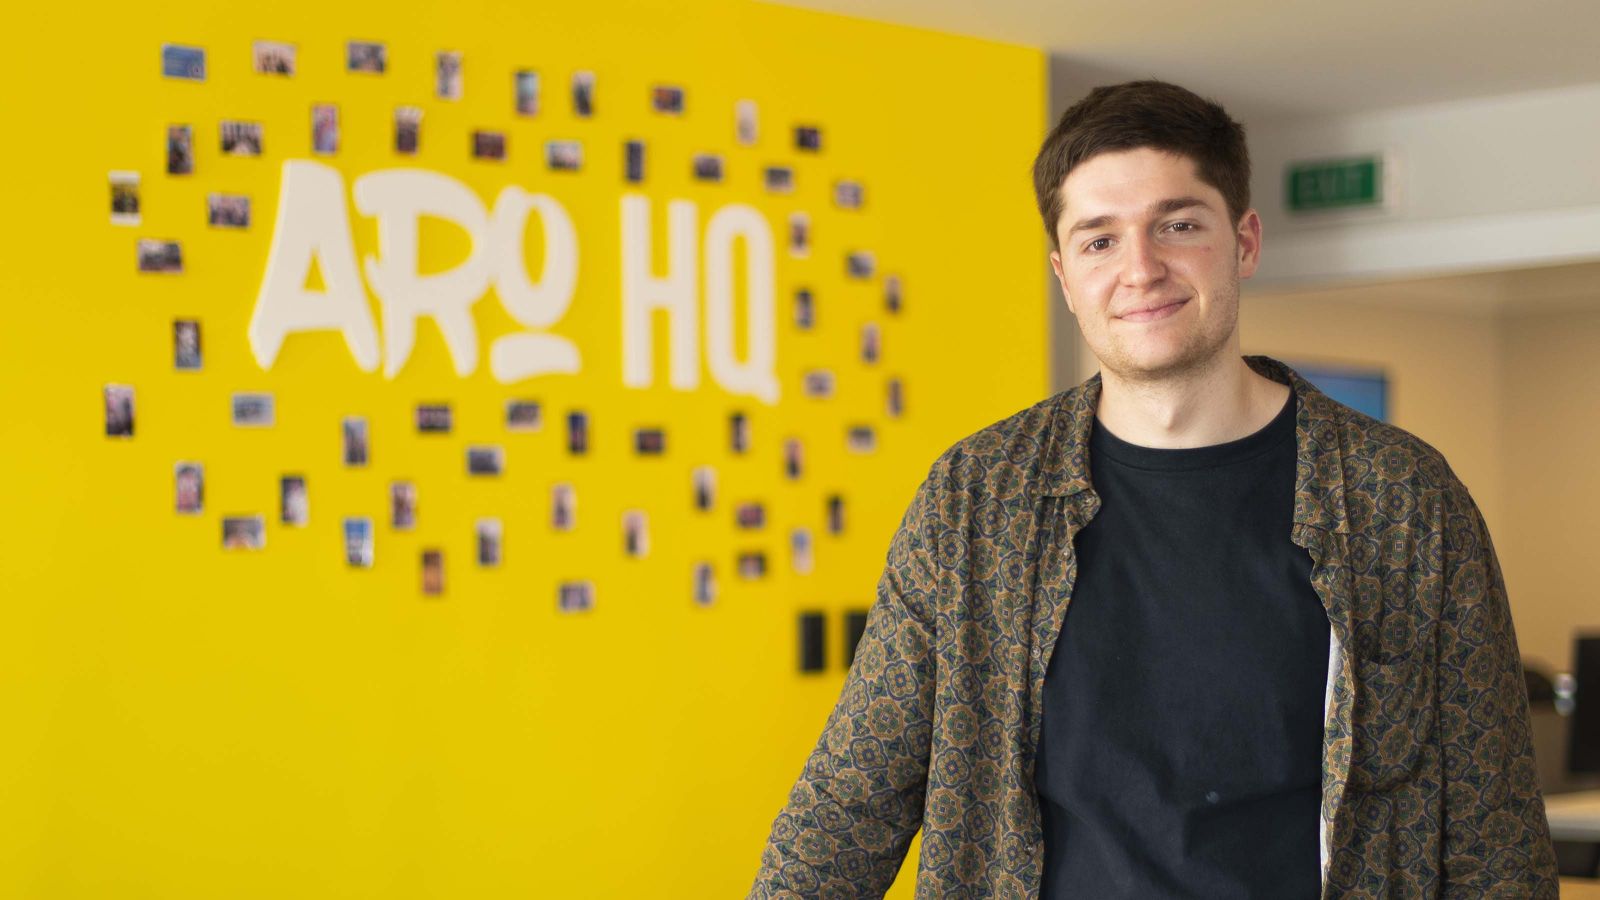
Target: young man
{"points": [[1189, 629]]}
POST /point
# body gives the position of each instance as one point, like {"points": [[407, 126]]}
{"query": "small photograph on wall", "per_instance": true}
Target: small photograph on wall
{"points": [[738, 432], [649, 441], [749, 516], [160, 256], [274, 57], [746, 122], [862, 439], [707, 167], [407, 129], [633, 162], [324, 129], [793, 458], [125, 198], [800, 551], [835, 513], [241, 138], [402, 505], [447, 78], [180, 150], [817, 383], [778, 179], [490, 145], [849, 194], [563, 156], [184, 62], [577, 433], [228, 211], [891, 293], [358, 541], [488, 534], [526, 85], [563, 507], [667, 99], [583, 94], [252, 410], [485, 460], [433, 418], [523, 415], [432, 572], [189, 480], [808, 138], [635, 533], [186, 345], [799, 235], [894, 399], [752, 565], [575, 596], [705, 487], [871, 343], [354, 429], [366, 56], [119, 410], [860, 264], [294, 501], [244, 532], [805, 311], [705, 583]]}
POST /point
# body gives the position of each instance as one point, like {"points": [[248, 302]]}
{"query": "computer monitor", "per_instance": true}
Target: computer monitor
{"points": [[1583, 732]]}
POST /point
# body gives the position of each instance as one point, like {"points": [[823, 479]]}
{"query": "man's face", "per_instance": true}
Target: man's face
{"points": [[1130, 242]]}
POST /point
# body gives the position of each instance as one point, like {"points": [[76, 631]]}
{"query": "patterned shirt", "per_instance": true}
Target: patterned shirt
{"points": [[1429, 787]]}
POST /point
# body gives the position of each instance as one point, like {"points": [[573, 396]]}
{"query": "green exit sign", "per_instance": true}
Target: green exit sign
{"points": [[1349, 183]]}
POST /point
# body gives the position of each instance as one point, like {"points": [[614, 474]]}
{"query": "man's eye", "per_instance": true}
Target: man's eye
{"points": [[1090, 245], [1189, 225]]}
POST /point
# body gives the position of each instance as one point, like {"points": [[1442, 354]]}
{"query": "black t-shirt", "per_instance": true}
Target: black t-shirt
{"points": [[1181, 745]]}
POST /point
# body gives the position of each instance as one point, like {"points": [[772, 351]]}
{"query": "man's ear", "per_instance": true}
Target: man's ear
{"points": [[1061, 278]]}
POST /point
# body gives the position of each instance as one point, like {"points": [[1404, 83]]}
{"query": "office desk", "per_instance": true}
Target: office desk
{"points": [[1574, 817], [1580, 889]]}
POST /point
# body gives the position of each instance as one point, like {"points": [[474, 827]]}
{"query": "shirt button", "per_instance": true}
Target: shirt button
{"points": [[1212, 797]]}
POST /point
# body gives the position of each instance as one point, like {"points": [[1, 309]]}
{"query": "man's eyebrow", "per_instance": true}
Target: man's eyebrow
{"points": [[1158, 208]]}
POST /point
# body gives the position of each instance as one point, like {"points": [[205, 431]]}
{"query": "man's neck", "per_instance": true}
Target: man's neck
{"points": [[1222, 402]]}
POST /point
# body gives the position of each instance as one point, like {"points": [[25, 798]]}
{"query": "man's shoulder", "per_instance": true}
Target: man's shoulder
{"points": [[1006, 453], [1385, 460]]}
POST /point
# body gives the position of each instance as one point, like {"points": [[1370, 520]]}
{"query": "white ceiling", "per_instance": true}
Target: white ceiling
{"points": [[1272, 59]]}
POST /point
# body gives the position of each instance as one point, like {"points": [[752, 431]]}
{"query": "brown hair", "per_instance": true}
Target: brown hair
{"points": [[1137, 114]]}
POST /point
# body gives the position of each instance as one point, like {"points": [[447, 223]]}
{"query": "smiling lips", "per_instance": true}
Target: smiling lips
{"points": [[1155, 312]]}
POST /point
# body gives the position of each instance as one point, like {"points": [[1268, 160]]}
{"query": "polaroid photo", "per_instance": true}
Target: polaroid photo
{"points": [[186, 344], [891, 293], [324, 129], [488, 145], [818, 383], [707, 167], [252, 410], [447, 79], [860, 264], [244, 532], [407, 129], [160, 256], [808, 138], [871, 343], [778, 179], [745, 122], [294, 503], [649, 441], [793, 458], [189, 486], [848, 194], [119, 410], [433, 418], [633, 161], [635, 533], [355, 440], [805, 310], [799, 235], [273, 57], [583, 94], [835, 506], [228, 211], [863, 439], [800, 551], [523, 415], [665, 98], [489, 532], [563, 156], [705, 487], [180, 150], [894, 399], [432, 572], [366, 56], [125, 198], [241, 138], [752, 564], [563, 507], [577, 433], [738, 432], [486, 460], [402, 505], [705, 583], [183, 62], [750, 515], [575, 596], [358, 541], [526, 85]]}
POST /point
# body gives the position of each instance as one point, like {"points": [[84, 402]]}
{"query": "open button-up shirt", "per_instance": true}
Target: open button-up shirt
{"points": [[1429, 786]]}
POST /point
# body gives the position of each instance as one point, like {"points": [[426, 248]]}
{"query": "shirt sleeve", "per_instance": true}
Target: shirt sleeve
{"points": [[1495, 835], [858, 802]]}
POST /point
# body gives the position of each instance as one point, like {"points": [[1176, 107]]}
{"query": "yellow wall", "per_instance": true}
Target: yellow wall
{"points": [[187, 722]]}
